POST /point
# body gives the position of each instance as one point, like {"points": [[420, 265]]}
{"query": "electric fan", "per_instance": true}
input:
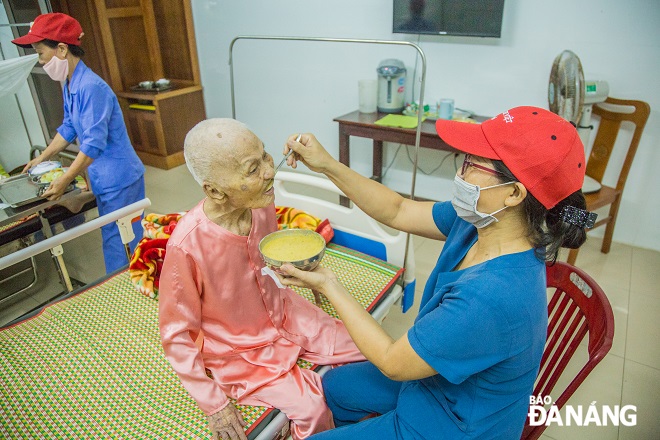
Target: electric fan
{"points": [[572, 98], [566, 85]]}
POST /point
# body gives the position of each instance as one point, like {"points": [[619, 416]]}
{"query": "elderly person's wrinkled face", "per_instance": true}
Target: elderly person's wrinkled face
{"points": [[245, 174], [230, 163]]}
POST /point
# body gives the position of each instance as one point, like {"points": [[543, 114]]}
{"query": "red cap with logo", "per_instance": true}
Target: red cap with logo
{"points": [[540, 148], [54, 26]]}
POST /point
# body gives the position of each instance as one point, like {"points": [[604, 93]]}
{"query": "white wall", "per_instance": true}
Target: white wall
{"points": [[14, 141], [286, 87]]}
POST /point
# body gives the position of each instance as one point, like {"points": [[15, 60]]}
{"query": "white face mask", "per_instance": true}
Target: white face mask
{"points": [[57, 68], [466, 196]]}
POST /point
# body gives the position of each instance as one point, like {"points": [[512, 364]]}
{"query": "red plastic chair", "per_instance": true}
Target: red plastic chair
{"points": [[578, 306]]}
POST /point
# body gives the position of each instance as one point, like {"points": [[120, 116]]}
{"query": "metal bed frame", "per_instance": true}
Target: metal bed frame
{"points": [[419, 50]]}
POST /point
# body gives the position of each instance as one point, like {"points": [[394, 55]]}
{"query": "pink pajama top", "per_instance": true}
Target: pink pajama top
{"points": [[253, 331]]}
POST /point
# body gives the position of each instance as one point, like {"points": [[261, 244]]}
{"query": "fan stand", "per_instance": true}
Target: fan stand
{"points": [[584, 128], [590, 185], [572, 98]]}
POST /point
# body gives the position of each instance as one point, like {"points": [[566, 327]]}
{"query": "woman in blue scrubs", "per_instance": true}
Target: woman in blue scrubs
{"points": [[93, 116], [466, 368]]}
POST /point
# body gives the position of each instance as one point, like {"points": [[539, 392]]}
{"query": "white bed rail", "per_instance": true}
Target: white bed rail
{"points": [[121, 216], [348, 219]]}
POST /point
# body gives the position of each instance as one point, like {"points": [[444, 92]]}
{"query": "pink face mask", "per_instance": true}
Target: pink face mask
{"points": [[57, 69]]}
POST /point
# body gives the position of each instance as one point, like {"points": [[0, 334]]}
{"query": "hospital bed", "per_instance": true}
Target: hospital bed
{"points": [[91, 365]]}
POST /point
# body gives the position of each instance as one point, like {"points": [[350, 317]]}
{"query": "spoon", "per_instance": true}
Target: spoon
{"points": [[287, 154]]}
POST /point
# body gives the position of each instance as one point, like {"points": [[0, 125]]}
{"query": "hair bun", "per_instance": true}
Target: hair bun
{"points": [[578, 217]]}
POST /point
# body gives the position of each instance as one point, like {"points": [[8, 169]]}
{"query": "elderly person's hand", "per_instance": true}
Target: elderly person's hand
{"points": [[309, 151], [227, 424]]}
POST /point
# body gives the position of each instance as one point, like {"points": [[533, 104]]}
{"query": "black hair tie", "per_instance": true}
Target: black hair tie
{"points": [[578, 217]]}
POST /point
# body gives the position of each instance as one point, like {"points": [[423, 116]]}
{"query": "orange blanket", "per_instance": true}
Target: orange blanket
{"points": [[292, 218], [147, 260]]}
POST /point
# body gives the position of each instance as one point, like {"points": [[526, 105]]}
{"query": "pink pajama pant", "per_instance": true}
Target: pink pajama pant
{"points": [[299, 393]]}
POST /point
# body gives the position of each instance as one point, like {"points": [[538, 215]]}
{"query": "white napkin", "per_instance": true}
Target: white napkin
{"points": [[268, 271]]}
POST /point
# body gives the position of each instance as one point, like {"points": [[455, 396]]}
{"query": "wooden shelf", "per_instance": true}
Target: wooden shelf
{"points": [[145, 40], [157, 135], [157, 96]]}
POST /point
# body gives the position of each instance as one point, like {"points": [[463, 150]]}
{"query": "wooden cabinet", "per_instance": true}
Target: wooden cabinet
{"points": [[158, 122], [145, 40]]}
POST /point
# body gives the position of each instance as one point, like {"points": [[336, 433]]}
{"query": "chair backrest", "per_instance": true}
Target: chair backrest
{"points": [[612, 113], [578, 306]]}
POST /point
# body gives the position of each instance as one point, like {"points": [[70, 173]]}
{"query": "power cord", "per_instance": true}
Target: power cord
{"points": [[387, 168], [427, 173]]}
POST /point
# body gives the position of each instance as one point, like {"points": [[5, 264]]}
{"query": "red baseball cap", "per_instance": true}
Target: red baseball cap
{"points": [[540, 148], [54, 26]]}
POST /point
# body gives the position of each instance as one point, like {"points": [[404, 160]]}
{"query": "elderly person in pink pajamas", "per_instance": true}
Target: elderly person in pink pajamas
{"points": [[212, 285]]}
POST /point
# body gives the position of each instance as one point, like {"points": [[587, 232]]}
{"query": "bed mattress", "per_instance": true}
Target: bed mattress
{"points": [[91, 365]]}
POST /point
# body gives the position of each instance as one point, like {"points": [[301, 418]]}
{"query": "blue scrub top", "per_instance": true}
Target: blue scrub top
{"points": [[92, 114], [483, 329]]}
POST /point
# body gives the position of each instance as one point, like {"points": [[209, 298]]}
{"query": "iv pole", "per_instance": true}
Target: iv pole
{"points": [[280, 418], [347, 40]]}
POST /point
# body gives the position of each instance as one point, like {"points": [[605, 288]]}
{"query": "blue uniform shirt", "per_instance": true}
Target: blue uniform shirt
{"points": [[92, 114], [483, 329]]}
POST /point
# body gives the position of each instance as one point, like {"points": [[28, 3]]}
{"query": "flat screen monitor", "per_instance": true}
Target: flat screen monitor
{"points": [[472, 18]]}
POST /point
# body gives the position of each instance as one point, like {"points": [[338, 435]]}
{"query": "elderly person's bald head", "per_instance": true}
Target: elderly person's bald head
{"points": [[211, 146]]}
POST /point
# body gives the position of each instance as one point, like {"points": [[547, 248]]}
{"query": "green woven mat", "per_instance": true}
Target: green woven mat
{"points": [[92, 366]]}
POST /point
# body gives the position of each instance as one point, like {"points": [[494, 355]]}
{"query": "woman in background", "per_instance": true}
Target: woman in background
{"points": [[93, 116]]}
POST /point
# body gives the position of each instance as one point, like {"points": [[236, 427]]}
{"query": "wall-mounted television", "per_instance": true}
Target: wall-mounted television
{"points": [[471, 18]]}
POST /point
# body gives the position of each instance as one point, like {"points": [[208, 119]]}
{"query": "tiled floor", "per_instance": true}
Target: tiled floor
{"points": [[629, 374]]}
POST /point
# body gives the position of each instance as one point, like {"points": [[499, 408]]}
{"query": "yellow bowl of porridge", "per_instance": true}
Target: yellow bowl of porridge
{"points": [[301, 247]]}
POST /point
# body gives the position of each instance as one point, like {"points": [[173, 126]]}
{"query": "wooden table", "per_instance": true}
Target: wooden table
{"points": [[363, 125]]}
